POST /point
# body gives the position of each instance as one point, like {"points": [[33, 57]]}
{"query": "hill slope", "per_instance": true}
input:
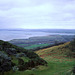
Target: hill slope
{"points": [[60, 50], [59, 63], [13, 58], [59, 58]]}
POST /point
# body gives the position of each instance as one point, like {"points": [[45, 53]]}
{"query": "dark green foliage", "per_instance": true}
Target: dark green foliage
{"points": [[20, 55], [72, 48], [6, 45], [72, 45], [10, 51], [73, 70], [32, 63], [32, 74], [22, 68], [31, 54], [37, 61], [20, 61], [5, 63]]}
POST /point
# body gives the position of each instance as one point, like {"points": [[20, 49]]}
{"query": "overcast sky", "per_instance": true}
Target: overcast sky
{"points": [[35, 14]]}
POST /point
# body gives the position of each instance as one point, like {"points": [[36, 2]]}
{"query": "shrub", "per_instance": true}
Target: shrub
{"points": [[31, 54], [20, 55], [20, 61], [5, 63], [74, 69], [72, 45]]}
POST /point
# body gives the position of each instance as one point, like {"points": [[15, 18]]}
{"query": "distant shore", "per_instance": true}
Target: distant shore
{"points": [[8, 34]]}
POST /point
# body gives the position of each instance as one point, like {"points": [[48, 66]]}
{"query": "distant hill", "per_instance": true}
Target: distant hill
{"points": [[35, 43]]}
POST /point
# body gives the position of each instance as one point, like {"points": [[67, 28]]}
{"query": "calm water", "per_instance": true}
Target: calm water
{"points": [[23, 34]]}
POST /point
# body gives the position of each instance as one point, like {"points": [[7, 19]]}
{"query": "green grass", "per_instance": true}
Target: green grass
{"points": [[15, 60], [36, 46], [55, 67], [25, 59]]}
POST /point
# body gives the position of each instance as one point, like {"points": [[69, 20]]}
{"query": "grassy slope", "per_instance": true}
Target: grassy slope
{"points": [[58, 63], [60, 49]]}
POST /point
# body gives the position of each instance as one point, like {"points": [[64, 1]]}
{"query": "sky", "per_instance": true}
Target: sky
{"points": [[37, 14]]}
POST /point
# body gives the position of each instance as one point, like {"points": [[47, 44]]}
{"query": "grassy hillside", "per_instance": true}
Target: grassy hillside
{"points": [[55, 50], [57, 57], [59, 61]]}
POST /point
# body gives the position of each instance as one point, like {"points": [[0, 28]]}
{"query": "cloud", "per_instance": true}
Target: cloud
{"points": [[37, 13]]}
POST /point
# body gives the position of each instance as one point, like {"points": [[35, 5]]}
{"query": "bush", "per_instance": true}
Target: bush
{"points": [[20, 61], [5, 63], [20, 55], [31, 54], [32, 63], [17, 52], [74, 69], [72, 45]]}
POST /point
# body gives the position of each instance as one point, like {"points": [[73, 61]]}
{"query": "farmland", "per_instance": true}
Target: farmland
{"points": [[35, 43]]}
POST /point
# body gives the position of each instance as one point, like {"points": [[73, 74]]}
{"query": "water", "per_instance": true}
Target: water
{"points": [[6, 34]]}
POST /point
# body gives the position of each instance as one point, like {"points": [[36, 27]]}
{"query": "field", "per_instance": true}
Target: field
{"points": [[34, 43], [36, 46], [58, 64]]}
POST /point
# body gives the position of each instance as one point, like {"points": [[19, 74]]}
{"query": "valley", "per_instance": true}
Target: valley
{"points": [[60, 61], [36, 43], [52, 54]]}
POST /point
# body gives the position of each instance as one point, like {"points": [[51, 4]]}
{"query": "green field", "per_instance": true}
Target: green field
{"points": [[43, 40], [35, 46]]}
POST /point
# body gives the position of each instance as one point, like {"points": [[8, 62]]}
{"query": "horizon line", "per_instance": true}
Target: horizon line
{"points": [[37, 28]]}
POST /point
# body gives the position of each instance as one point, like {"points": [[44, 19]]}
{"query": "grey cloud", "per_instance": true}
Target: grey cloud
{"points": [[35, 13]]}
